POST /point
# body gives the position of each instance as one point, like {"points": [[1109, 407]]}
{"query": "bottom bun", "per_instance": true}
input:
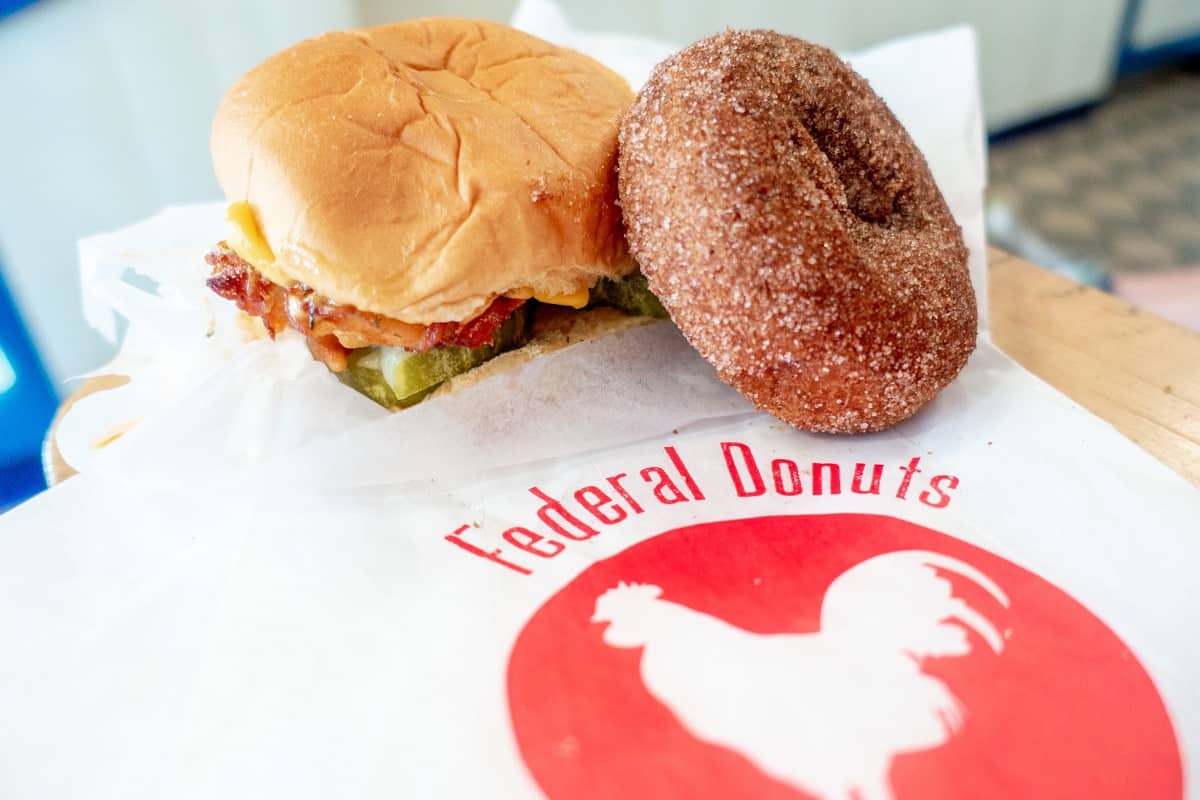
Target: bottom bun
{"points": [[553, 329]]}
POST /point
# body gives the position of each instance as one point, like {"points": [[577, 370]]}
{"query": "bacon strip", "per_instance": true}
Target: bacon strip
{"points": [[476, 332], [334, 329]]}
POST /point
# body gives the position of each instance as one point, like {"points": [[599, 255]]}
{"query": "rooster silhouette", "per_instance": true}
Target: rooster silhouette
{"points": [[825, 712]]}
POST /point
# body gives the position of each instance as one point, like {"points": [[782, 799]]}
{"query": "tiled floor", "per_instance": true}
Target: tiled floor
{"points": [[1116, 191]]}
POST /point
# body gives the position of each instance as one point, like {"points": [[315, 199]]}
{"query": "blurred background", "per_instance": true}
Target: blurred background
{"points": [[1092, 108]]}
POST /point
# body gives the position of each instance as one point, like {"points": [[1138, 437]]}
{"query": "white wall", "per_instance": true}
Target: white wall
{"points": [[107, 103], [1036, 56], [1165, 21]]}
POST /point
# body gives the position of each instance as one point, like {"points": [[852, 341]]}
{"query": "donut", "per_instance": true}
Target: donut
{"points": [[794, 233]]}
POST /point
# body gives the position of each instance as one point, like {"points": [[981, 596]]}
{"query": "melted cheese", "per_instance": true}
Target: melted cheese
{"points": [[246, 239], [576, 299]]}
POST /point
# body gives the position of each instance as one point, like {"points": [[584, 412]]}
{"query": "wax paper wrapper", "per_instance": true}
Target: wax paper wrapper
{"points": [[991, 600]]}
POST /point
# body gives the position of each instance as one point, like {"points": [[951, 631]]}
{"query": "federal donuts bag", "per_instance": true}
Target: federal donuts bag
{"points": [[600, 572]]}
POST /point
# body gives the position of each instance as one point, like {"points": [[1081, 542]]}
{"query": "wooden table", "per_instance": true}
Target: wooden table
{"points": [[1139, 372]]}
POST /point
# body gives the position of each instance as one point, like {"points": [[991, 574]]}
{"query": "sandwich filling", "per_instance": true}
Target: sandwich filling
{"points": [[398, 363], [333, 330]]}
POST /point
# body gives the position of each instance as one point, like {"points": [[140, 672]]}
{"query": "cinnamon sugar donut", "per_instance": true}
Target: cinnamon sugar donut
{"points": [[793, 231]]}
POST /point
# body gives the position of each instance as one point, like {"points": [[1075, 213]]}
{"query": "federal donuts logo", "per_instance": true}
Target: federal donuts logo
{"points": [[609, 502], [829, 656]]}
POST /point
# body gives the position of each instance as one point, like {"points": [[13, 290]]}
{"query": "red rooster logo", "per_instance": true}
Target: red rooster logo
{"points": [[825, 712]]}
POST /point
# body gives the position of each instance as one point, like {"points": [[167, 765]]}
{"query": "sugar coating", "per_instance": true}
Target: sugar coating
{"points": [[793, 230]]}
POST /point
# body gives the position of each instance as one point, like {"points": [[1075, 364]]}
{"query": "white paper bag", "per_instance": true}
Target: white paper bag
{"points": [[267, 588]]}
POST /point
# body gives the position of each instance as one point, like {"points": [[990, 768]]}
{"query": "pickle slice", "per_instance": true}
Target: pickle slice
{"points": [[397, 378], [631, 294], [408, 373], [364, 376]]}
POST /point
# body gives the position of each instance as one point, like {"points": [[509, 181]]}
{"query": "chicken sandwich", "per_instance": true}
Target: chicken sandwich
{"points": [[417, 199]]}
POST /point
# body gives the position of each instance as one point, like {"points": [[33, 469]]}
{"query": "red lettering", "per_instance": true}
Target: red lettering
{"points": [[792, 485], [757, 487], [935, 485], [596, 506], [527, 540], [615, 482], [909, 471], [664, 484], [577, 531], [684, 473], [835, 478], [876, 477], [493, 555]]}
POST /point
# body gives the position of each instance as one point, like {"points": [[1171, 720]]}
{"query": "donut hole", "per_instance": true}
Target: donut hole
{"points": [[823, 157], [815, 164], [854, 133], [870, 193]]}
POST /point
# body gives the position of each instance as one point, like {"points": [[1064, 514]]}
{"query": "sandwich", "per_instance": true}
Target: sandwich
{"points": [[424, 198]]}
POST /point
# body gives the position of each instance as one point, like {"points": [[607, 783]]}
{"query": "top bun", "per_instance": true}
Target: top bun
{"points": [[418, 170]]}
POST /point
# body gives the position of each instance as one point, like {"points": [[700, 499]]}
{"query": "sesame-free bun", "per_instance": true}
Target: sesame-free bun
{"points": [[417, 170], [554, 329]]}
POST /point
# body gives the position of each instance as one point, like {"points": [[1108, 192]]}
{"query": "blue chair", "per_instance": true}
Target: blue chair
{"points": [[27, 405], [11, 6], [27, 398]]}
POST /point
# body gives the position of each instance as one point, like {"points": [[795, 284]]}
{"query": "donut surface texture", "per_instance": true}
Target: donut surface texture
{"points": [[794, 232]]}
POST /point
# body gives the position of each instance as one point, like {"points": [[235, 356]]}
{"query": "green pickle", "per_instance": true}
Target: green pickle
{"points": [[367, 379], [396, 378], [631, 294]]}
